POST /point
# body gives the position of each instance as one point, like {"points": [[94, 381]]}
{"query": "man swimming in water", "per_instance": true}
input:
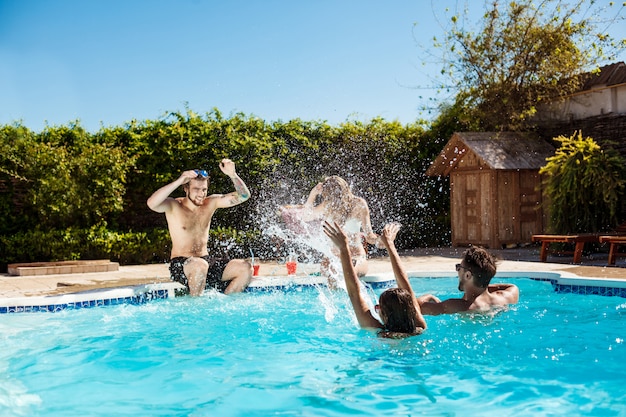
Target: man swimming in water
{"points": [[189, 221], [475, 271]]}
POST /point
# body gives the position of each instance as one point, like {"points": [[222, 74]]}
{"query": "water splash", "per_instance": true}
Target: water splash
{"points": [[329, 305], [307, 240]]}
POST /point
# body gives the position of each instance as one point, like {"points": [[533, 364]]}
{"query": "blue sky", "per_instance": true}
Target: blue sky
{"points": [[106, 62]]}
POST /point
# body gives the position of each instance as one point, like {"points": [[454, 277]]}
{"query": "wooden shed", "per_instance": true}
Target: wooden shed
{"points": [[495, 186]]}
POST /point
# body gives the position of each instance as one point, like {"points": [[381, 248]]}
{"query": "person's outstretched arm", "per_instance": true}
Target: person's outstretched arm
{"points": [[361, 309], [388, 237], [241, 192]]}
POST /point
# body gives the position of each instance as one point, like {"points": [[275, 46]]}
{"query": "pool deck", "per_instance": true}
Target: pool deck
{"points": [[440, 260]]}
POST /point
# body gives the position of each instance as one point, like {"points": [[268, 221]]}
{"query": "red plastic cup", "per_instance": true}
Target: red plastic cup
{"points": [[255, 270], [292, 266]]}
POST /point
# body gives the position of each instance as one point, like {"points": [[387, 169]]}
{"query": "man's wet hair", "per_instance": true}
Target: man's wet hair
{"points": [[198, 177], [481, 264]]}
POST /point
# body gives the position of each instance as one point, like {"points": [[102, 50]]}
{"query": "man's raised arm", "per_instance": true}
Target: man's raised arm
{"points": [[241, 192], [157, 201]]}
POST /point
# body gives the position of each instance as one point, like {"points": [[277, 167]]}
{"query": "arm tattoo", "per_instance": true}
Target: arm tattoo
{"points": [[242, 191]]}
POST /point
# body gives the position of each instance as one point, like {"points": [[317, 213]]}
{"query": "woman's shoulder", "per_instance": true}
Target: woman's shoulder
{"points": [[358, 202], [359, 207]]}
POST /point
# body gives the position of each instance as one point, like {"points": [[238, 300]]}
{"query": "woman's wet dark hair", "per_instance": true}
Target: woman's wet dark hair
{"points": [[398, 313]]}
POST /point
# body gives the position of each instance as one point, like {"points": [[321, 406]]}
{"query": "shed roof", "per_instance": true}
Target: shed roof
{"points": [[498, 150]]}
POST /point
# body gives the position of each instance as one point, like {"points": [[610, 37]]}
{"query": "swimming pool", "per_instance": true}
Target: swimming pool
{"points": [[300, 352]]}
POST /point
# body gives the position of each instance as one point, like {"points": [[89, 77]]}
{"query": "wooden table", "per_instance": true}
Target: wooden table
{"points": [[579, 241], [616, 242]]}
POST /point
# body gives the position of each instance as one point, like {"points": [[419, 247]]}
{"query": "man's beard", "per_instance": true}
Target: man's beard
{"points": [[193, 202]]}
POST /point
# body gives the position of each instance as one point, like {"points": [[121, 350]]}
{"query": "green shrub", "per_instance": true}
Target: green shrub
{"points": [[127, 248], [68, 194], [584, 185]]}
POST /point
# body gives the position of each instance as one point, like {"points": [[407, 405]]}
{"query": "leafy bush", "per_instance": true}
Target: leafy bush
{"points": [[69, 194], [60, 178], [144, 247], [584, 185]]}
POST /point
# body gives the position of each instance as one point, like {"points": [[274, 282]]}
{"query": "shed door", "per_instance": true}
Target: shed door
{"points": [[470, 208], [531, 214], [519, 206]]}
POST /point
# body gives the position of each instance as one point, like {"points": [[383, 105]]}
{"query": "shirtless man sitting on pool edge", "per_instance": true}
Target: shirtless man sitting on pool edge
{"points": [[475, 271], [189, 221]]}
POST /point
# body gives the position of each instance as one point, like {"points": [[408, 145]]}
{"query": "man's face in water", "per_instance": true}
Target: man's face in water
{"points": [[197, 190]]}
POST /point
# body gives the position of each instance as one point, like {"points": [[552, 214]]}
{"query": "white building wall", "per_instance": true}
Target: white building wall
{"points": [[619, 97], [588, 104]]}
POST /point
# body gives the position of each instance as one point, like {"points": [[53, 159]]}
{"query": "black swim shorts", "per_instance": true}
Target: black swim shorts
{"points": [[213, 276]]}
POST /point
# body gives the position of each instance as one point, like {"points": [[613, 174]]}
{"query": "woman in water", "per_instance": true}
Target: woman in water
{"points": [[398, 308], [333, 201]]}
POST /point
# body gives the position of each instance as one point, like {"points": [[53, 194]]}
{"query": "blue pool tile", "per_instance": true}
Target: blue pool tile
{"points": [[589, 290], [138, 299]]}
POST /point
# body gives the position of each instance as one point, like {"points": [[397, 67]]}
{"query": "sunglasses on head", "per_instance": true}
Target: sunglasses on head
{"points": [[201, 173]]}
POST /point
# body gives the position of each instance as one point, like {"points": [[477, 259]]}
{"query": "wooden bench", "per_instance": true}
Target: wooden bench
{"points": [[578, 240], [62, 267], [615, 242]]}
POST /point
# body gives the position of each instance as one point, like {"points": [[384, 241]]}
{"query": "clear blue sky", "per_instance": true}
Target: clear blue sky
{"points": [[106, 62]]}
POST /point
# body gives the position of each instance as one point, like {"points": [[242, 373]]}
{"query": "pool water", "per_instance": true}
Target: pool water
{"points": [[301, 353]]}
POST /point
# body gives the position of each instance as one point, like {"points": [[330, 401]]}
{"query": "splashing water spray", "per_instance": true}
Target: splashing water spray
{"points": [[309, 244]]}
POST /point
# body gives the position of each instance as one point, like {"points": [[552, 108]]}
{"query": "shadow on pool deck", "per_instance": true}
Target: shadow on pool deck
{"points": [[417, 260]]}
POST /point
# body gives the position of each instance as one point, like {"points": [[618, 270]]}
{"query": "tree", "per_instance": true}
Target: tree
{"points": [[524, 54]]}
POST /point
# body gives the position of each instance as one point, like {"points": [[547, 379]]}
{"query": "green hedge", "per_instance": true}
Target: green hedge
{"points": [[123, 247], [93, 243], [65, 185]]}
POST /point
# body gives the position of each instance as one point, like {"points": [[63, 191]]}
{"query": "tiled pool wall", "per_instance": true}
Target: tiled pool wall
{"points": [[143, 294], [583, 286], [137, 299], [96, 298], [590, 290]]}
